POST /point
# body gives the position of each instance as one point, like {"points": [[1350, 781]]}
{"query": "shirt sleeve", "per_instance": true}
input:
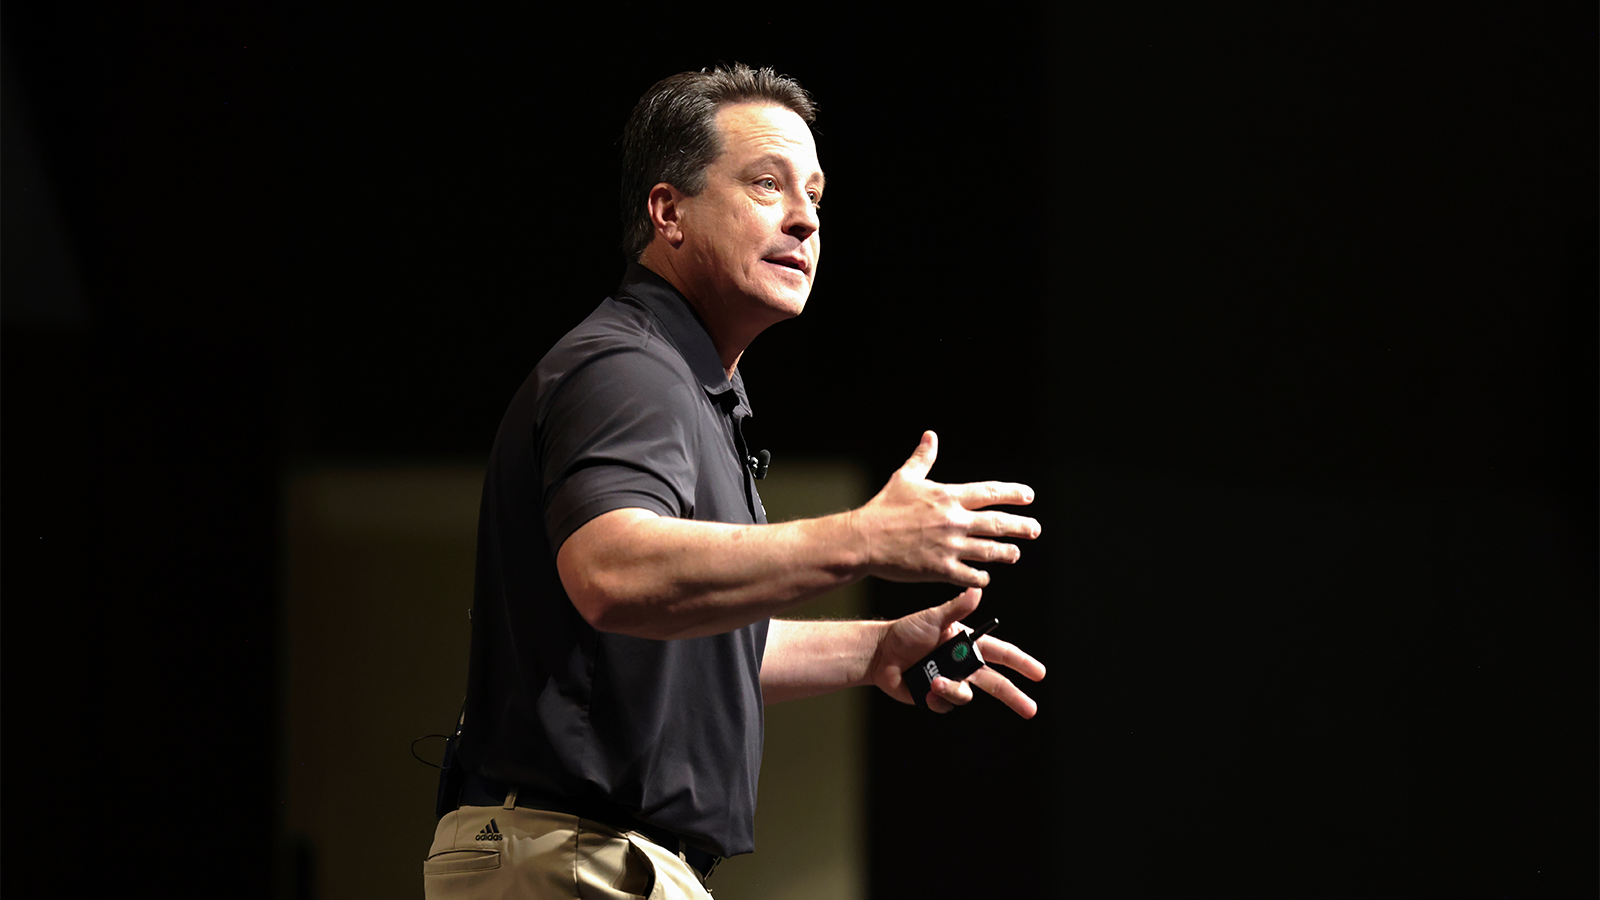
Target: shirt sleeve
{"points": [[616, 433]]}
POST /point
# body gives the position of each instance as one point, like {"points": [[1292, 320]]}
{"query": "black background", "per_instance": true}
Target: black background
{"points": [[1290, 320]]}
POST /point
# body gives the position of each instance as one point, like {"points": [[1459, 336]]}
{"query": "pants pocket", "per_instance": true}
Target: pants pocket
{"points": [[610, 867], [451, 861]]}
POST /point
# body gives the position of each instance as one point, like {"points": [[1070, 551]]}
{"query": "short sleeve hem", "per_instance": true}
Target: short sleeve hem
{"points": [[563, 522]]}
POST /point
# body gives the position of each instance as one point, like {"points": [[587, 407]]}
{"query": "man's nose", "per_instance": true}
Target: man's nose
{"points": [[802, 218]]}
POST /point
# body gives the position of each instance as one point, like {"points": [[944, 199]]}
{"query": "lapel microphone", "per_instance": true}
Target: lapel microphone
{"points": [[759, 463]]}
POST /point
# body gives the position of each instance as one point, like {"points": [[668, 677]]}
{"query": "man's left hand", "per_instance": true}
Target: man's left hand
{"points": [[912, 637]]}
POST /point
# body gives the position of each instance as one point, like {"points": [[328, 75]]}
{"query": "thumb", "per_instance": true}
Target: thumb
{"points": [[957, 609], [922, 458]]}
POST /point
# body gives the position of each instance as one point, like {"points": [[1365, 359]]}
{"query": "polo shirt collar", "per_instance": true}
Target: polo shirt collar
{"points": [[686, 331]]}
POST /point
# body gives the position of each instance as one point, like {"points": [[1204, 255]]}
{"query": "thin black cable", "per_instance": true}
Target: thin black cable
{"points": [[419, 740]]}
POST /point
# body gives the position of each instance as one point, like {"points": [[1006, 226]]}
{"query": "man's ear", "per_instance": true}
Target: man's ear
{"points": [[666, 213]]}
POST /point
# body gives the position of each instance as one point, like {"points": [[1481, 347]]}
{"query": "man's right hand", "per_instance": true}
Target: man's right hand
{"points": [[921, 530], [633, 571]]}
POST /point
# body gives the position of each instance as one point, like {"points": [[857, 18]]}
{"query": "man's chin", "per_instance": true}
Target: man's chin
{"points": [[789, 307], [785, 303]]}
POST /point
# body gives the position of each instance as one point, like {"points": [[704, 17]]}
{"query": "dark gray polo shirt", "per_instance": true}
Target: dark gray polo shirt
{"points": [[630, 409]]}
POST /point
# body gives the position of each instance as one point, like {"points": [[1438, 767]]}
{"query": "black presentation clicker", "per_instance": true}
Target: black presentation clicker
{"points": [[955, 659]]}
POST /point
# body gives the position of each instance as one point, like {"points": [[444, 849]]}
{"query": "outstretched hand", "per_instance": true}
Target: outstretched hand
{"points": [[910, 638], [921, 530]]}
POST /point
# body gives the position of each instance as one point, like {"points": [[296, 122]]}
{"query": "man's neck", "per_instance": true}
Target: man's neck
{"points": [[729, 342]]}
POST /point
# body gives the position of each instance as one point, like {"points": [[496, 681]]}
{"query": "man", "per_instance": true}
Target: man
{"points": [[623, 639]]}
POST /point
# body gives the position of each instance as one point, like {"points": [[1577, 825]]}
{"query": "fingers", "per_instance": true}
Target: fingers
{"points": [[999, 524], [992, 523], [958, 608], [1005, 653], [961, 575], [1001, 688], [965, 576], [979, 494], [919, 530], [947, 695], [976, 550], [922, 458]]}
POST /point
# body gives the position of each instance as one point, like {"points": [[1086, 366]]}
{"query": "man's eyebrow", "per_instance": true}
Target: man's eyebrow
{"points": [[778, 159]]}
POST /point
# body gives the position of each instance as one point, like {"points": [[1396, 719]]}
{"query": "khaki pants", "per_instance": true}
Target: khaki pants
{"points": [[482, 852]]}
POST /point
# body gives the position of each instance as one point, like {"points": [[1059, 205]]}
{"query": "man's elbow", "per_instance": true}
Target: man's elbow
{"points": [[601, 605], [599, 572], [610, 608], [606, 615]]}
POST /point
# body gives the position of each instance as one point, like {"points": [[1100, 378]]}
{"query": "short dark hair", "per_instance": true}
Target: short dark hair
{"points": [[672, 135]]}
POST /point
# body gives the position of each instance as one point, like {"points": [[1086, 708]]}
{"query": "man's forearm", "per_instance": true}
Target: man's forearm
{"points": [[810, 658], [632, 572]]}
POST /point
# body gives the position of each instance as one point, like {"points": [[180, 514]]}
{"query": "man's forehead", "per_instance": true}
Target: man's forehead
{"points": [[761, 131]]}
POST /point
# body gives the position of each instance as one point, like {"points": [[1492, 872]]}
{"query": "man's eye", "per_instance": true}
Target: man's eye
{"points": [[768, 183]]}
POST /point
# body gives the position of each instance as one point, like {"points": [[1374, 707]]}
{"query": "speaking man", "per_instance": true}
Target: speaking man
{"points": [[624, 637]]}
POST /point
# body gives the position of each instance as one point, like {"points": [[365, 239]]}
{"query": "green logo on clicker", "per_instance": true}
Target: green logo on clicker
{"points": [[960, 652]]}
